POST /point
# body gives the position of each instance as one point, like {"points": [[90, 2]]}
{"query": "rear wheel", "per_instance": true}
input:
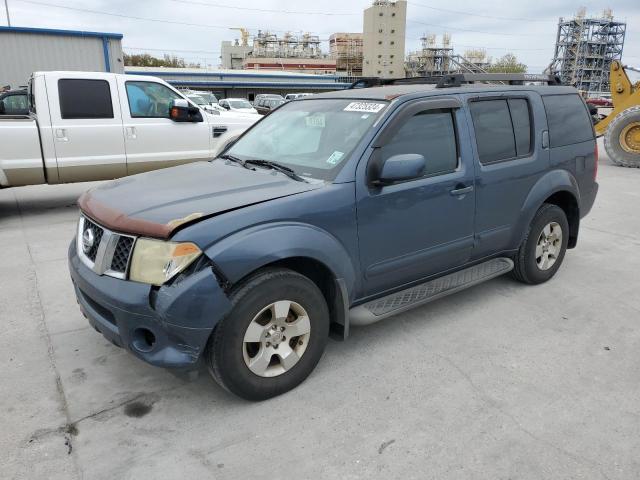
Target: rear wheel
{"points": [[622, 138], [273, 337], [543, 249]]}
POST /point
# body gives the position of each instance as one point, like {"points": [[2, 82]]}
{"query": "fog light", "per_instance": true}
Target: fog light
{"points": [[143, 340]]}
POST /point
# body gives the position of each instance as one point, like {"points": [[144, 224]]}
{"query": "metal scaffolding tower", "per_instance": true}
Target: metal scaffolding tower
{"points": [[585, 48], [433, 60]]}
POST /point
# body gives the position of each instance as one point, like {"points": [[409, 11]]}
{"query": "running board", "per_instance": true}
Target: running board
{"points": [[384, 307]]}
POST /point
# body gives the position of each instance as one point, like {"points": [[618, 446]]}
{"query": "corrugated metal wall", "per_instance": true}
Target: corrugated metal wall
{"points": [[22, 53]]}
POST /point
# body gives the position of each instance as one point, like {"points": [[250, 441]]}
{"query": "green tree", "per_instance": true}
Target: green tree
{"points": [[507, 64], [146, 60]]}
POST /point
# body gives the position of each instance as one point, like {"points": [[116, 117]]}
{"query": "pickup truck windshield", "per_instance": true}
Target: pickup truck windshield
{"points": [[240, 104], [312, 137]]}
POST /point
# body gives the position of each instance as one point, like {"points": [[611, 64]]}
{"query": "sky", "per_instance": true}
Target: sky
{"points": [[193, 29]]}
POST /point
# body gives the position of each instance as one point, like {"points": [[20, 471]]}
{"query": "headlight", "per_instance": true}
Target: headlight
{"points": [[156, 262]]}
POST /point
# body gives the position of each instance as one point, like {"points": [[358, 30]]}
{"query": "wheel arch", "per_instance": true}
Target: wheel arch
{"points": [[557, 187], [302, 248]]}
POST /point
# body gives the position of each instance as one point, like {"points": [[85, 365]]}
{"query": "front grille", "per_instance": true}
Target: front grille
{"points": [[102, 250], [121, 255], [97, 238]]}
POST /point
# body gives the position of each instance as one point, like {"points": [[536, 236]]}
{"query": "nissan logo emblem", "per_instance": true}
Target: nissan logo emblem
{"points": [[88, 239]]}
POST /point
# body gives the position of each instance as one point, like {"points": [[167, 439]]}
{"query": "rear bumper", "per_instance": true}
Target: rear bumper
{"points": [[167, 326], [587, 200]]}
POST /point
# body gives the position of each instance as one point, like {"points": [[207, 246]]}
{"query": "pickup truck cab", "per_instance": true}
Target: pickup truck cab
{"points": [[85, 126], [335, 210]]}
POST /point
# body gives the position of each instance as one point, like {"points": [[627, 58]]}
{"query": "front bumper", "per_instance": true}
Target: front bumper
{"points": [[167, 326]]}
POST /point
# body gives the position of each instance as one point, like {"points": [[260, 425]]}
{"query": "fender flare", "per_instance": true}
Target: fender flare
{"points": [[244, 252], [549, 184]]}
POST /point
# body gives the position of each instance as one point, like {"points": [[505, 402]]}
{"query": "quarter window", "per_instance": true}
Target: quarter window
{"points": [[86, 99], [569, 120], [503, 129], [150, 99], [519, 109], [430, 133]]}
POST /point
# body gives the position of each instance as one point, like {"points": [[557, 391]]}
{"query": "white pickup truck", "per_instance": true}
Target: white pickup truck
{"points": [[86, 126]]}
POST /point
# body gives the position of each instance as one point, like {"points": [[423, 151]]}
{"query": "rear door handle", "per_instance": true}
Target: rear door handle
{"points": [[61, 135], [462, 190]]}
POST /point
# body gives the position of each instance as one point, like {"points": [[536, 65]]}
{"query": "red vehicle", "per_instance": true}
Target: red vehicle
{"points": [[600, 102]]}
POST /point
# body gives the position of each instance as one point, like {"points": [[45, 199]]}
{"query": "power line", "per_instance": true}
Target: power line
{"points": [[133, 17], [458, 12], [170, 50], [474, 31], [263, 10]]}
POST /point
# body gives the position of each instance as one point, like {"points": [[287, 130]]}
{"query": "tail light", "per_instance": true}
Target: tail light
{"points": [[595, 167]]}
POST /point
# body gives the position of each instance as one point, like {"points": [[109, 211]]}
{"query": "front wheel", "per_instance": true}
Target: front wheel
{"points": [[273, 337], [542, 250]]}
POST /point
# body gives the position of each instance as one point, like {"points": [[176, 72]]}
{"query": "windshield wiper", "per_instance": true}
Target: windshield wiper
{"points": [[276, 166], [235, 159]]}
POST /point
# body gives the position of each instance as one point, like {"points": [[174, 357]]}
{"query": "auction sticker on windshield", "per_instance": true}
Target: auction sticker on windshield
{"points": [[315, 121], [367, 107]]}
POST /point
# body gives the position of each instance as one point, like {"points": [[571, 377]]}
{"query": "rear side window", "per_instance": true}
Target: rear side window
{"points": [[430, 133], [81, 98], [503, 129], [568, 118], [494, 132]]}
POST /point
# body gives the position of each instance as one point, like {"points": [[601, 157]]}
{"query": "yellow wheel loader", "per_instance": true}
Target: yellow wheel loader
{"points": [[621, 128]]}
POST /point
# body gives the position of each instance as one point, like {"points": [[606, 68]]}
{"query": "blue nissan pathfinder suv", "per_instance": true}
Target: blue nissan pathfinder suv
{"points": [[335, 210]]}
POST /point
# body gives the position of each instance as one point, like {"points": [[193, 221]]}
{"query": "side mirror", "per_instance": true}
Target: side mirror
{"points": [[182, 111], [401, 167]]}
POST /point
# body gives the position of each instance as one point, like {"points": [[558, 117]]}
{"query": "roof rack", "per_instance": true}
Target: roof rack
{"points": [[458, 79], [368, 82]]}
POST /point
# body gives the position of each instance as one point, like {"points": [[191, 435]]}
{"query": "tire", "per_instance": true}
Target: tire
{"points": [[243, 367], [529, 267], [612, 143]]}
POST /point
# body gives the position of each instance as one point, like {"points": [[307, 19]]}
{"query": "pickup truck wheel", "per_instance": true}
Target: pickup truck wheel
{"points": [[622, 138], [543, 248], [273, 337]]}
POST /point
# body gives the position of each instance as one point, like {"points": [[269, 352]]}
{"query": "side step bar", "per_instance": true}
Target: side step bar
{"points": [[384, 307]]}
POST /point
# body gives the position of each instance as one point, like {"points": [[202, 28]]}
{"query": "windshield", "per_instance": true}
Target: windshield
{"points": [[198, 100], [240, 104], [208, 97], [313, 137]]}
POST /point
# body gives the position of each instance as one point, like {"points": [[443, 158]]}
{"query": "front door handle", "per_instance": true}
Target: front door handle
{"points": [[462, 190], [131, 133]]}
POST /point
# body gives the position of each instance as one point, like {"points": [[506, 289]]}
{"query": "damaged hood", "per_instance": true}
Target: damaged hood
{"points": [[155, 204]]}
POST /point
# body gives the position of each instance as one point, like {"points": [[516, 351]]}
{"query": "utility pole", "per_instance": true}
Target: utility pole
{"points": [[6, 7]]}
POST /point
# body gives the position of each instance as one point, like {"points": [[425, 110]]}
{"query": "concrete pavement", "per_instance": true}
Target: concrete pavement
{"points": [[500, 381]]}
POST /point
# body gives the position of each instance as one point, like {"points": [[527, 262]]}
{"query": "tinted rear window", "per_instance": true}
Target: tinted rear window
{"points": [[85, 99], [494, 133], [568, 118], [521, 124]]}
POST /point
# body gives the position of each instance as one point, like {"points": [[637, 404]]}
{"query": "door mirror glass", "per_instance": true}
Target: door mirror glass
{"points": [[398, 168], [182, 111]]}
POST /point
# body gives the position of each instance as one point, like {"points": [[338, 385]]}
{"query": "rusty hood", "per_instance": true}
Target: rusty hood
{"points": [[156, 204]]}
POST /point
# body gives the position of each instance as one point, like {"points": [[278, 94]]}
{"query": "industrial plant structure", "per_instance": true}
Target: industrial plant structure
{"points": [[346, 49], [585, 48], [437, 60]]}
